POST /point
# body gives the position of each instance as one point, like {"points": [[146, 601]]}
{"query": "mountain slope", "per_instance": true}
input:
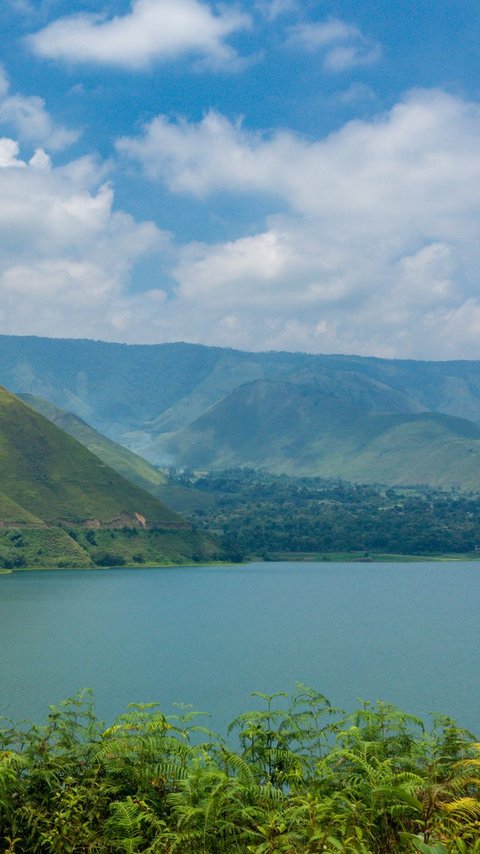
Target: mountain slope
{"points": [[144, 390], [289, 411], [301, 429], [132, 467], [48, 475]]}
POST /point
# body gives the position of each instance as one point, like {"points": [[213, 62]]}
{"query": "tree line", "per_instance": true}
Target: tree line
{"points": [[259, 514]]}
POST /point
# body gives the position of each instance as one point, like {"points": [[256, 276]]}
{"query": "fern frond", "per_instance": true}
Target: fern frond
{"points": [[124, 826], [467, 808]]}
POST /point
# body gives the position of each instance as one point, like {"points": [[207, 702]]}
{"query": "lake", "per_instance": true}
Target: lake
{"points": [[405, 633]]}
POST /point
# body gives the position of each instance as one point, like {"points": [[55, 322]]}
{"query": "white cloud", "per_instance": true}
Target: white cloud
{"points": [[65, 254], [314, 36], [342, 45], [378, 254], [27, 115], [32, 122], [153, 30], [9, 150], [376, 251], [397, 167], [214, 154]]}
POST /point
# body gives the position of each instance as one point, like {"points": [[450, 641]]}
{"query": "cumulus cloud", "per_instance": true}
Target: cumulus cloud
{"points": [[376, 249], [28, 117], [153, 30], [342, 45], [377, 254], [66, 254], [423, 151]]}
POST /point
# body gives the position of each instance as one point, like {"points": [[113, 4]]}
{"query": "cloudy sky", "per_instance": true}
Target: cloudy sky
{"points": [[267, 174]]}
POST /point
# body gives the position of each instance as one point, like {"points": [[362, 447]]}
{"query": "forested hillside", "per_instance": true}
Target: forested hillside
{"points": [[256, 514]]}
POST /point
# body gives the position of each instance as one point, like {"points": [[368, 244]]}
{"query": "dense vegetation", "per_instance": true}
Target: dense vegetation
{"points": [[303, 778], [254, 513], [83, 548]]}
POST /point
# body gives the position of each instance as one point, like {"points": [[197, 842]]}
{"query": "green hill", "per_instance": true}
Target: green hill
{"points": [[183, 404], [132, 467], [60, 505], [300, 428], [52, 476], [125, 462]]}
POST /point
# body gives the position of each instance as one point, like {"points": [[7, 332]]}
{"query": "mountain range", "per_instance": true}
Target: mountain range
{"points": [[359, 418]]}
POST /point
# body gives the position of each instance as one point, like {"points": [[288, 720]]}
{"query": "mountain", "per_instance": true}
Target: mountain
{"points": [[53, 477], [303, 428], [60, 505], [132, 467], [185, 404], [129, 465]]}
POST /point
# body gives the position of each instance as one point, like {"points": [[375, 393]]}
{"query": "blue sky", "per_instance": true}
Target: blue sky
{"points": [[264, 175]]}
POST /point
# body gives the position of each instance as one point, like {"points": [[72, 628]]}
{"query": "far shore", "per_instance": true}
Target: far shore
{"points": [[280, 557]]}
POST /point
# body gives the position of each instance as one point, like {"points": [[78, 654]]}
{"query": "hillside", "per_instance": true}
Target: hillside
{"points": [[300, 428], [129, 465], [132, 467], [183, 404], [60, 505], [50, 475]]}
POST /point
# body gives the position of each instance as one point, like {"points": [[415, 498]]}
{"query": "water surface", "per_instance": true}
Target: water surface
{"points": [[405, 633]]}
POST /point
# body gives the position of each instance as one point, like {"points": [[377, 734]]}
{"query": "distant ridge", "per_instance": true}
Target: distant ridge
{"points": [[356, 417]]}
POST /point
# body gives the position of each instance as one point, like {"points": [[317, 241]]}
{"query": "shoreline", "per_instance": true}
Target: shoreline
{"points": [[291, 557]]}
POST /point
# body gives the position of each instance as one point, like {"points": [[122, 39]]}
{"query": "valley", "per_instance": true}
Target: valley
{"points": [[366, 420]]}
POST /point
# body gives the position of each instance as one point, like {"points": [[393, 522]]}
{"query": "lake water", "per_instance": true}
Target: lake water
{"points": [[405, 633]]}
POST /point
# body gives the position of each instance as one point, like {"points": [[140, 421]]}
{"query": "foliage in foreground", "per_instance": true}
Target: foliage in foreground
{"points": [[305, 778]]}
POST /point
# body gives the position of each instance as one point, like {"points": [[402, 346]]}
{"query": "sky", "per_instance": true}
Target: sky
{"points": [[262, 175]]}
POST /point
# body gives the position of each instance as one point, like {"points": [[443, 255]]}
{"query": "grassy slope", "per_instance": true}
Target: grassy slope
{"points": [[299, 429], [43, 547], [133, 393], [52, 476], [47, 475], [121, 459]]}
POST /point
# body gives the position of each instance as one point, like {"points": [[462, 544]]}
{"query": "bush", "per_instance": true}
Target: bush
{"points": [[109, 559]]}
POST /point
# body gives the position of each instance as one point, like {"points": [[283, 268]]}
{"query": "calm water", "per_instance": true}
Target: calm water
{"points": [[406, 633]]}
